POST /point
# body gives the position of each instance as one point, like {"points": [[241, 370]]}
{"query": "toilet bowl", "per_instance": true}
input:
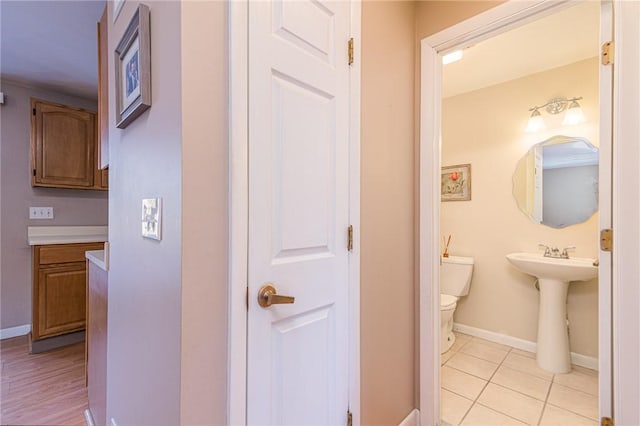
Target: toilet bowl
{"points": [[455, 279], [447, 306]]}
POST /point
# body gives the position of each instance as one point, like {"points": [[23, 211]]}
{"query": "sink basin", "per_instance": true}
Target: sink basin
{"points": [[554, 275], [573, 269]]}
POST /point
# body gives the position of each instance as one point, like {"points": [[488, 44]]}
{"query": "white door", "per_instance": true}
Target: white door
{"points": [[297, 354]]}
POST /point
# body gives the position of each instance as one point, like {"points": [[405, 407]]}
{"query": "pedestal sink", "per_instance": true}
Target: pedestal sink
{"points": [[554, 276]]}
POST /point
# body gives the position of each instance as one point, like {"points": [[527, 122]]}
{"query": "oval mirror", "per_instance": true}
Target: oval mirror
{"points": [[556, 182]]}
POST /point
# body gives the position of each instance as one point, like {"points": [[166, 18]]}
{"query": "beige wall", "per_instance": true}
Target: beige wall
{"points": [[204, 248], [435, 16], [387, 218], [485, 128]]}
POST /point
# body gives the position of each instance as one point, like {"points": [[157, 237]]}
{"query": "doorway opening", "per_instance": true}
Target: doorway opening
{"points": [[488, 235]]}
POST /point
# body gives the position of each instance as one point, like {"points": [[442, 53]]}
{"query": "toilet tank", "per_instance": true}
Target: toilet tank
{"points": [[455, 275]]}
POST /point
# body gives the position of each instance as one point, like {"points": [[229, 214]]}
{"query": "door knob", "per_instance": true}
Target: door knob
{"points": [[268, 296]]}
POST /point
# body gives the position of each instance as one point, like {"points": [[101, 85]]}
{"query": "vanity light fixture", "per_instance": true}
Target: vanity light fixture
{"points": [[573, 116], [536, 122]]}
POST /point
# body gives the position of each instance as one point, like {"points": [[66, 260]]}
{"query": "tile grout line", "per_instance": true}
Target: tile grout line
{"points": [[475, 401], [546, 400]]}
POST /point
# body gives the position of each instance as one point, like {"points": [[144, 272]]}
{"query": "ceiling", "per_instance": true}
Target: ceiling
{"points": [[51, 44], [556, 40]]}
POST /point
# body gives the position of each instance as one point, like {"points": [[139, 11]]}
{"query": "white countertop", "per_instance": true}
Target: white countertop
{"points": [[42, 235], [97, 257]]}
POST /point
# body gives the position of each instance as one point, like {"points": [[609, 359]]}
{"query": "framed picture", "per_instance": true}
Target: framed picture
{"points": [[456, 183], [133, 69], [152, 218]]}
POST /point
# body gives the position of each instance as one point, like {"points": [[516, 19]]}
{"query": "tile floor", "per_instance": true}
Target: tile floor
{"points": [[485, 383]]}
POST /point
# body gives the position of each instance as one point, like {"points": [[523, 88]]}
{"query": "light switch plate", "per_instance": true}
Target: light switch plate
{"points": [[152, 218], [40, 213]]}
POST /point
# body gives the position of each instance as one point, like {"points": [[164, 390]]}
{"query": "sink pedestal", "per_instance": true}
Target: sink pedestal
{"points": [[554, 275], [553, 337]]}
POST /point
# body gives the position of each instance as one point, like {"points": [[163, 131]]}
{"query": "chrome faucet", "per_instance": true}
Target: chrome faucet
{"points": [[555, 251], [565, 252], [547, 250]]}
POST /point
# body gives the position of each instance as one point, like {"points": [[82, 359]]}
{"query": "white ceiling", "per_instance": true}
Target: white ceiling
{"points": [[51, 44], [556, 40]]}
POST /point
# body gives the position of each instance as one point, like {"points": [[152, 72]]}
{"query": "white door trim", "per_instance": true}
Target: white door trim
{"points": [[626, 211], [239, 213], [480, 27], [354, 214]]}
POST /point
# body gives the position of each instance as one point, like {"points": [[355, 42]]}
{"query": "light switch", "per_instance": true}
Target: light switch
{"points": [[40, 212], [152, 218]]}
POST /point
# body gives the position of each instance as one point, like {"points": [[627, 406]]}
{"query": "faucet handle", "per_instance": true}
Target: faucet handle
{"points": [[565, 251], [547, 249]]}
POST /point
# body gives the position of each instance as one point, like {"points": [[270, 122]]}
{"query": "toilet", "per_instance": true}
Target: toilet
{"points": [[455, 278]]}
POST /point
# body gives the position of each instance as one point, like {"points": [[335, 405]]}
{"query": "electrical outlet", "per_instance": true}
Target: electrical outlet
{"points": [[40, 212]]}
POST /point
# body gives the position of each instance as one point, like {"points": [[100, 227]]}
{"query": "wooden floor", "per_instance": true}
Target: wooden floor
{"points": [[42, 389]]}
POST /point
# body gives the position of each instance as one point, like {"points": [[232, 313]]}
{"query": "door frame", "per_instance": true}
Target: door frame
{"points": [[508, 15], [238, 18]]}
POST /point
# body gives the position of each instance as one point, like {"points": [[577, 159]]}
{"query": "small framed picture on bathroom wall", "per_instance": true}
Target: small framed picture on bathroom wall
{"points": [[456, 183]]}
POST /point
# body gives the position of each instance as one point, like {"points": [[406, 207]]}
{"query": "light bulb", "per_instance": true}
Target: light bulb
{"points": [[574, 115], [536, 122]]}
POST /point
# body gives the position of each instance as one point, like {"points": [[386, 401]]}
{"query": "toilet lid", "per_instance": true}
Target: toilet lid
{"points": [[447, 301]]}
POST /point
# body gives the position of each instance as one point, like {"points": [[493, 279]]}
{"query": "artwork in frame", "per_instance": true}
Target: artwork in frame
{"points": [[152, 218], [456, 183], [133, 69]]}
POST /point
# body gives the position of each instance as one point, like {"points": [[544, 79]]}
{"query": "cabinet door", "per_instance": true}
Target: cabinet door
{"points": [[61, 300], [62, 146], [104, 178]]}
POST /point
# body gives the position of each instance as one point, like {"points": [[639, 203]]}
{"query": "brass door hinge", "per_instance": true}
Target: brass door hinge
{"points": [[607, 53], [606, 240], [349, 418], [350, 238], [606, 421], [350, 51]]}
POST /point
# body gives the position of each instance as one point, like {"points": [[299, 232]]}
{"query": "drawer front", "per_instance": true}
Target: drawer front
{"points": [[65, 253]]}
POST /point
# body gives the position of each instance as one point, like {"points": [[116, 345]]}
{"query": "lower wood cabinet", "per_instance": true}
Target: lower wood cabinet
{"points": [[59, 289]]}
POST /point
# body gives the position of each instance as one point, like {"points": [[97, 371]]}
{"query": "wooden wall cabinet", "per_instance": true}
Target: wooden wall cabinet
{"points": [[63, 147], [59, 289]]}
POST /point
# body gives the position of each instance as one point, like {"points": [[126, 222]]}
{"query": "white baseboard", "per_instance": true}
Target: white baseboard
{"points": [[525, 345], [21, 330], [584, 361], [412, 419]]}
